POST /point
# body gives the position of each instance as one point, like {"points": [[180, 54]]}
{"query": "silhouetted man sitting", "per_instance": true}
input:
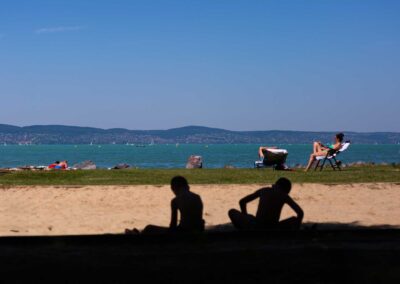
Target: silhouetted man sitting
{"points": [[189, 206], [271, 201]]}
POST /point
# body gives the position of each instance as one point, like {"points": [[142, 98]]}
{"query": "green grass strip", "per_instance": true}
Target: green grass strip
{"points": [[364, 174]]}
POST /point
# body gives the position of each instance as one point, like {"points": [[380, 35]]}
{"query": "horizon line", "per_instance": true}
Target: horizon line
{"points": [[200, 126]]}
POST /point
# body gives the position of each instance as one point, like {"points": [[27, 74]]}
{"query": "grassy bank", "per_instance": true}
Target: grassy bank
{"points": [[203, 176]]}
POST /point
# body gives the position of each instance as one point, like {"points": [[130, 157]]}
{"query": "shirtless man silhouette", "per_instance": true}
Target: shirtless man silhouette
{"points": [[271, 201], [187, 204]]}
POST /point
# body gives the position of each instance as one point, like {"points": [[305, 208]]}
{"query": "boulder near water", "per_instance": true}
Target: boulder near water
{"points": [[229, 167], [85, 165], [194, 162], [121, 166]]}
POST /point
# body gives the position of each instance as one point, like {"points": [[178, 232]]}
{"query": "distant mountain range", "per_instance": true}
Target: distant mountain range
{"points": [[61, 134]]}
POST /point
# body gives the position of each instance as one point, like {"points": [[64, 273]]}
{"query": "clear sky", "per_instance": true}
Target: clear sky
{"points": [[240, 65]]}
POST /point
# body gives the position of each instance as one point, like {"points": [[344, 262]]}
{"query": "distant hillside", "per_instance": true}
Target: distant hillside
{"points": [[60, 134]]}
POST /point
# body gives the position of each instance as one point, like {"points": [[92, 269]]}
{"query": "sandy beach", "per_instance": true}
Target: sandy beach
{"points": [[60, 210]]}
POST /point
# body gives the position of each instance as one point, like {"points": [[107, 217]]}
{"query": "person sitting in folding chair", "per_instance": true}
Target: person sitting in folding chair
{"points": [[331, 158], [320, 150]]}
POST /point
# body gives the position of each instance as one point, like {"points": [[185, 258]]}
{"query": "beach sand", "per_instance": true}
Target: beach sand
{"points": [[65, 210]]}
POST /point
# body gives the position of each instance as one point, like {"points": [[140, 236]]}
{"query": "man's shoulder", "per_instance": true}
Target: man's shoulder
{"points": [[265, 189], [188, 196], [196, 198], [192, 194]]}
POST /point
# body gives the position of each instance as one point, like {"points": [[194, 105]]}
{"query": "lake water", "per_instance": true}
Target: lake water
{"points": [[173, 156]]}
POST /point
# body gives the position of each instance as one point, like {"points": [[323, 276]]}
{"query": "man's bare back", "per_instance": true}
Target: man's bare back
{"points": [[186, 204], [190, 207], [271, 202], [270, 205]]}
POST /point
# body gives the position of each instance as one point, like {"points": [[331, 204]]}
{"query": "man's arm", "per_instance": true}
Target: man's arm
{"points": [[174, 215], [243, 202], [296, 208]]}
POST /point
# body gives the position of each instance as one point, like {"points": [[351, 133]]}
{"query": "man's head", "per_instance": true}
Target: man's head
{"points": [[339, 137], [179, 184], [283, 184]]}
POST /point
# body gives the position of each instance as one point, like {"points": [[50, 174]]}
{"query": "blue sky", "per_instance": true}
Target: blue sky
{"points": [[240, 65]]}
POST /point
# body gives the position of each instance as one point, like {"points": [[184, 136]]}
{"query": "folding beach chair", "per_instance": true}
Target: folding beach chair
{"points": [[331, 158], [272, 158]]}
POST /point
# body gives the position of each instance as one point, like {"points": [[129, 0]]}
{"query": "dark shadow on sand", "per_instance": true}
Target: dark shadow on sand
{"points": [[326, 253], [317, 227]]}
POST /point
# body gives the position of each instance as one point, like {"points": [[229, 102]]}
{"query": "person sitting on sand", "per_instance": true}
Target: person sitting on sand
{"points": [[262, 149], [271, 201], [320, 149], [189, 206]]}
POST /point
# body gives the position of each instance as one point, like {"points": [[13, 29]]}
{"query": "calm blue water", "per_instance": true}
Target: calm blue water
{"points": [[170, 156]]}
